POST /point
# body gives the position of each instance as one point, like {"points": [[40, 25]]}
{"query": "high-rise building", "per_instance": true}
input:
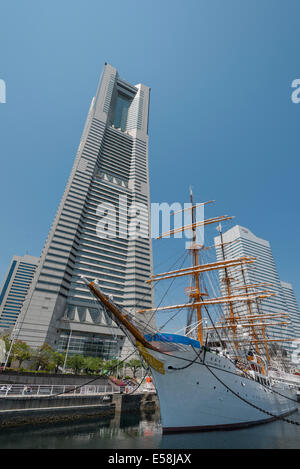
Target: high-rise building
{"points": [[239, 241], [14, 289], [107, 187], [293, 310]]}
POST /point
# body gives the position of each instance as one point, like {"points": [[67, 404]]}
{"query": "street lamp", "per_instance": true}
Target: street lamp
{"points": [[69, 340], [13, 338]]}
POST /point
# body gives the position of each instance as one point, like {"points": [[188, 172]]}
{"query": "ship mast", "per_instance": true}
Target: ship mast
{"points": [[254, 335], [227, 281], [195, 293], [263, 330], [233, 320], [197, 269]]}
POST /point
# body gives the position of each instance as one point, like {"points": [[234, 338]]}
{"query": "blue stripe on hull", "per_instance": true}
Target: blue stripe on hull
{"points": [[173, 338]]}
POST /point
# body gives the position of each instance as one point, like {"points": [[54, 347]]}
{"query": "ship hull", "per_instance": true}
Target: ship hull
{"points": [[212, 396]]}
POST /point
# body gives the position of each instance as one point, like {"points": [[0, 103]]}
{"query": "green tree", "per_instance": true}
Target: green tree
{"points": [[21, 351], [114, 366], [42, 357], [76, 362], [57, 359], [93, 364], [134, 365], [7, 341]]}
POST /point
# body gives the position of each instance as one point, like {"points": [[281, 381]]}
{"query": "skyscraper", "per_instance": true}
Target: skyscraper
{"points": [[293, 310], [239, 241], [108, 184], [14, 289]]}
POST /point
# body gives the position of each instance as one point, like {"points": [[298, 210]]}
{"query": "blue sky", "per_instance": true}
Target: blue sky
{"points": [[221, 115]]}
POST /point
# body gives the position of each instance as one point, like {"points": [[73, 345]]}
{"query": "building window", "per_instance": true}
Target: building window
{"points": [[121, 112]]}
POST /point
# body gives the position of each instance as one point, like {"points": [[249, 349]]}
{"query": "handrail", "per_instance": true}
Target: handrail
{"points": [[28, 390]]}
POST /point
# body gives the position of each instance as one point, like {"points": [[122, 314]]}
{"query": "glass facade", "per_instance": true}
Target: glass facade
{"points": [[15, 289], [11, 270], [121, 111], [104, 347]]}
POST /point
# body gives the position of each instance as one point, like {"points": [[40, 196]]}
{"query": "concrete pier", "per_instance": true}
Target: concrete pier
{"points": [[30, 410]]}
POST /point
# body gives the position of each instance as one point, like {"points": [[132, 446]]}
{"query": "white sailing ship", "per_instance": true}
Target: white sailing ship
{"points": [[221, 373]]}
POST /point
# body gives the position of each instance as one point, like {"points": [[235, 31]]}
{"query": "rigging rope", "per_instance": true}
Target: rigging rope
{"points": [[94, 379], [276, 417], [237, 395], [191, 362], [166, 292]]}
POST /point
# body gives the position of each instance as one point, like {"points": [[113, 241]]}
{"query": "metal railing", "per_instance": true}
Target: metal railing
{"points": [[281, 375], [50, 390]]}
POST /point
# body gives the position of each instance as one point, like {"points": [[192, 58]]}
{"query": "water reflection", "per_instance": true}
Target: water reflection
{"points": [[143, 431], [132, 430], [274, 435]]}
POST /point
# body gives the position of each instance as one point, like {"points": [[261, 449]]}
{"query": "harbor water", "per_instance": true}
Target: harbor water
{"points": [[143, 431]]}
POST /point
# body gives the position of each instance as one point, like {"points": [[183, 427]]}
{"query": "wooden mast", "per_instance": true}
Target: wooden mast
{"points": [[228, 288], [121, 318], [196, 269], [196, 293], [263, 330], [254, 335]]}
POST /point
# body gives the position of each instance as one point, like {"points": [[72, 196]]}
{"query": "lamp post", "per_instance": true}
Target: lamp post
{"points": [[13, 338], [69, 340]]}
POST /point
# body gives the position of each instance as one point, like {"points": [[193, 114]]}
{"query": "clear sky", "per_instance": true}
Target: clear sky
{"points": [[221, 115]]}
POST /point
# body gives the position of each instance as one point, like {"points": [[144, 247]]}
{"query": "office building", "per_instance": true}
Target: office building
{"points": [[108, 183], [14, 289], [239, 241], [293, 309]]}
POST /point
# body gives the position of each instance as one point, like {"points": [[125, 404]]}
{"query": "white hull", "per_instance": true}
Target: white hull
{"points": [[193, 398]]}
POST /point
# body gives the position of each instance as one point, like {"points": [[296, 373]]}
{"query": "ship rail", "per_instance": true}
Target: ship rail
{"points": [[282, 376]]}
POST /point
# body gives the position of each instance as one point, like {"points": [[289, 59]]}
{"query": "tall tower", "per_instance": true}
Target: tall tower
{"points": [[92, 231], [239, 241], [14, 289], [293, 310]]}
